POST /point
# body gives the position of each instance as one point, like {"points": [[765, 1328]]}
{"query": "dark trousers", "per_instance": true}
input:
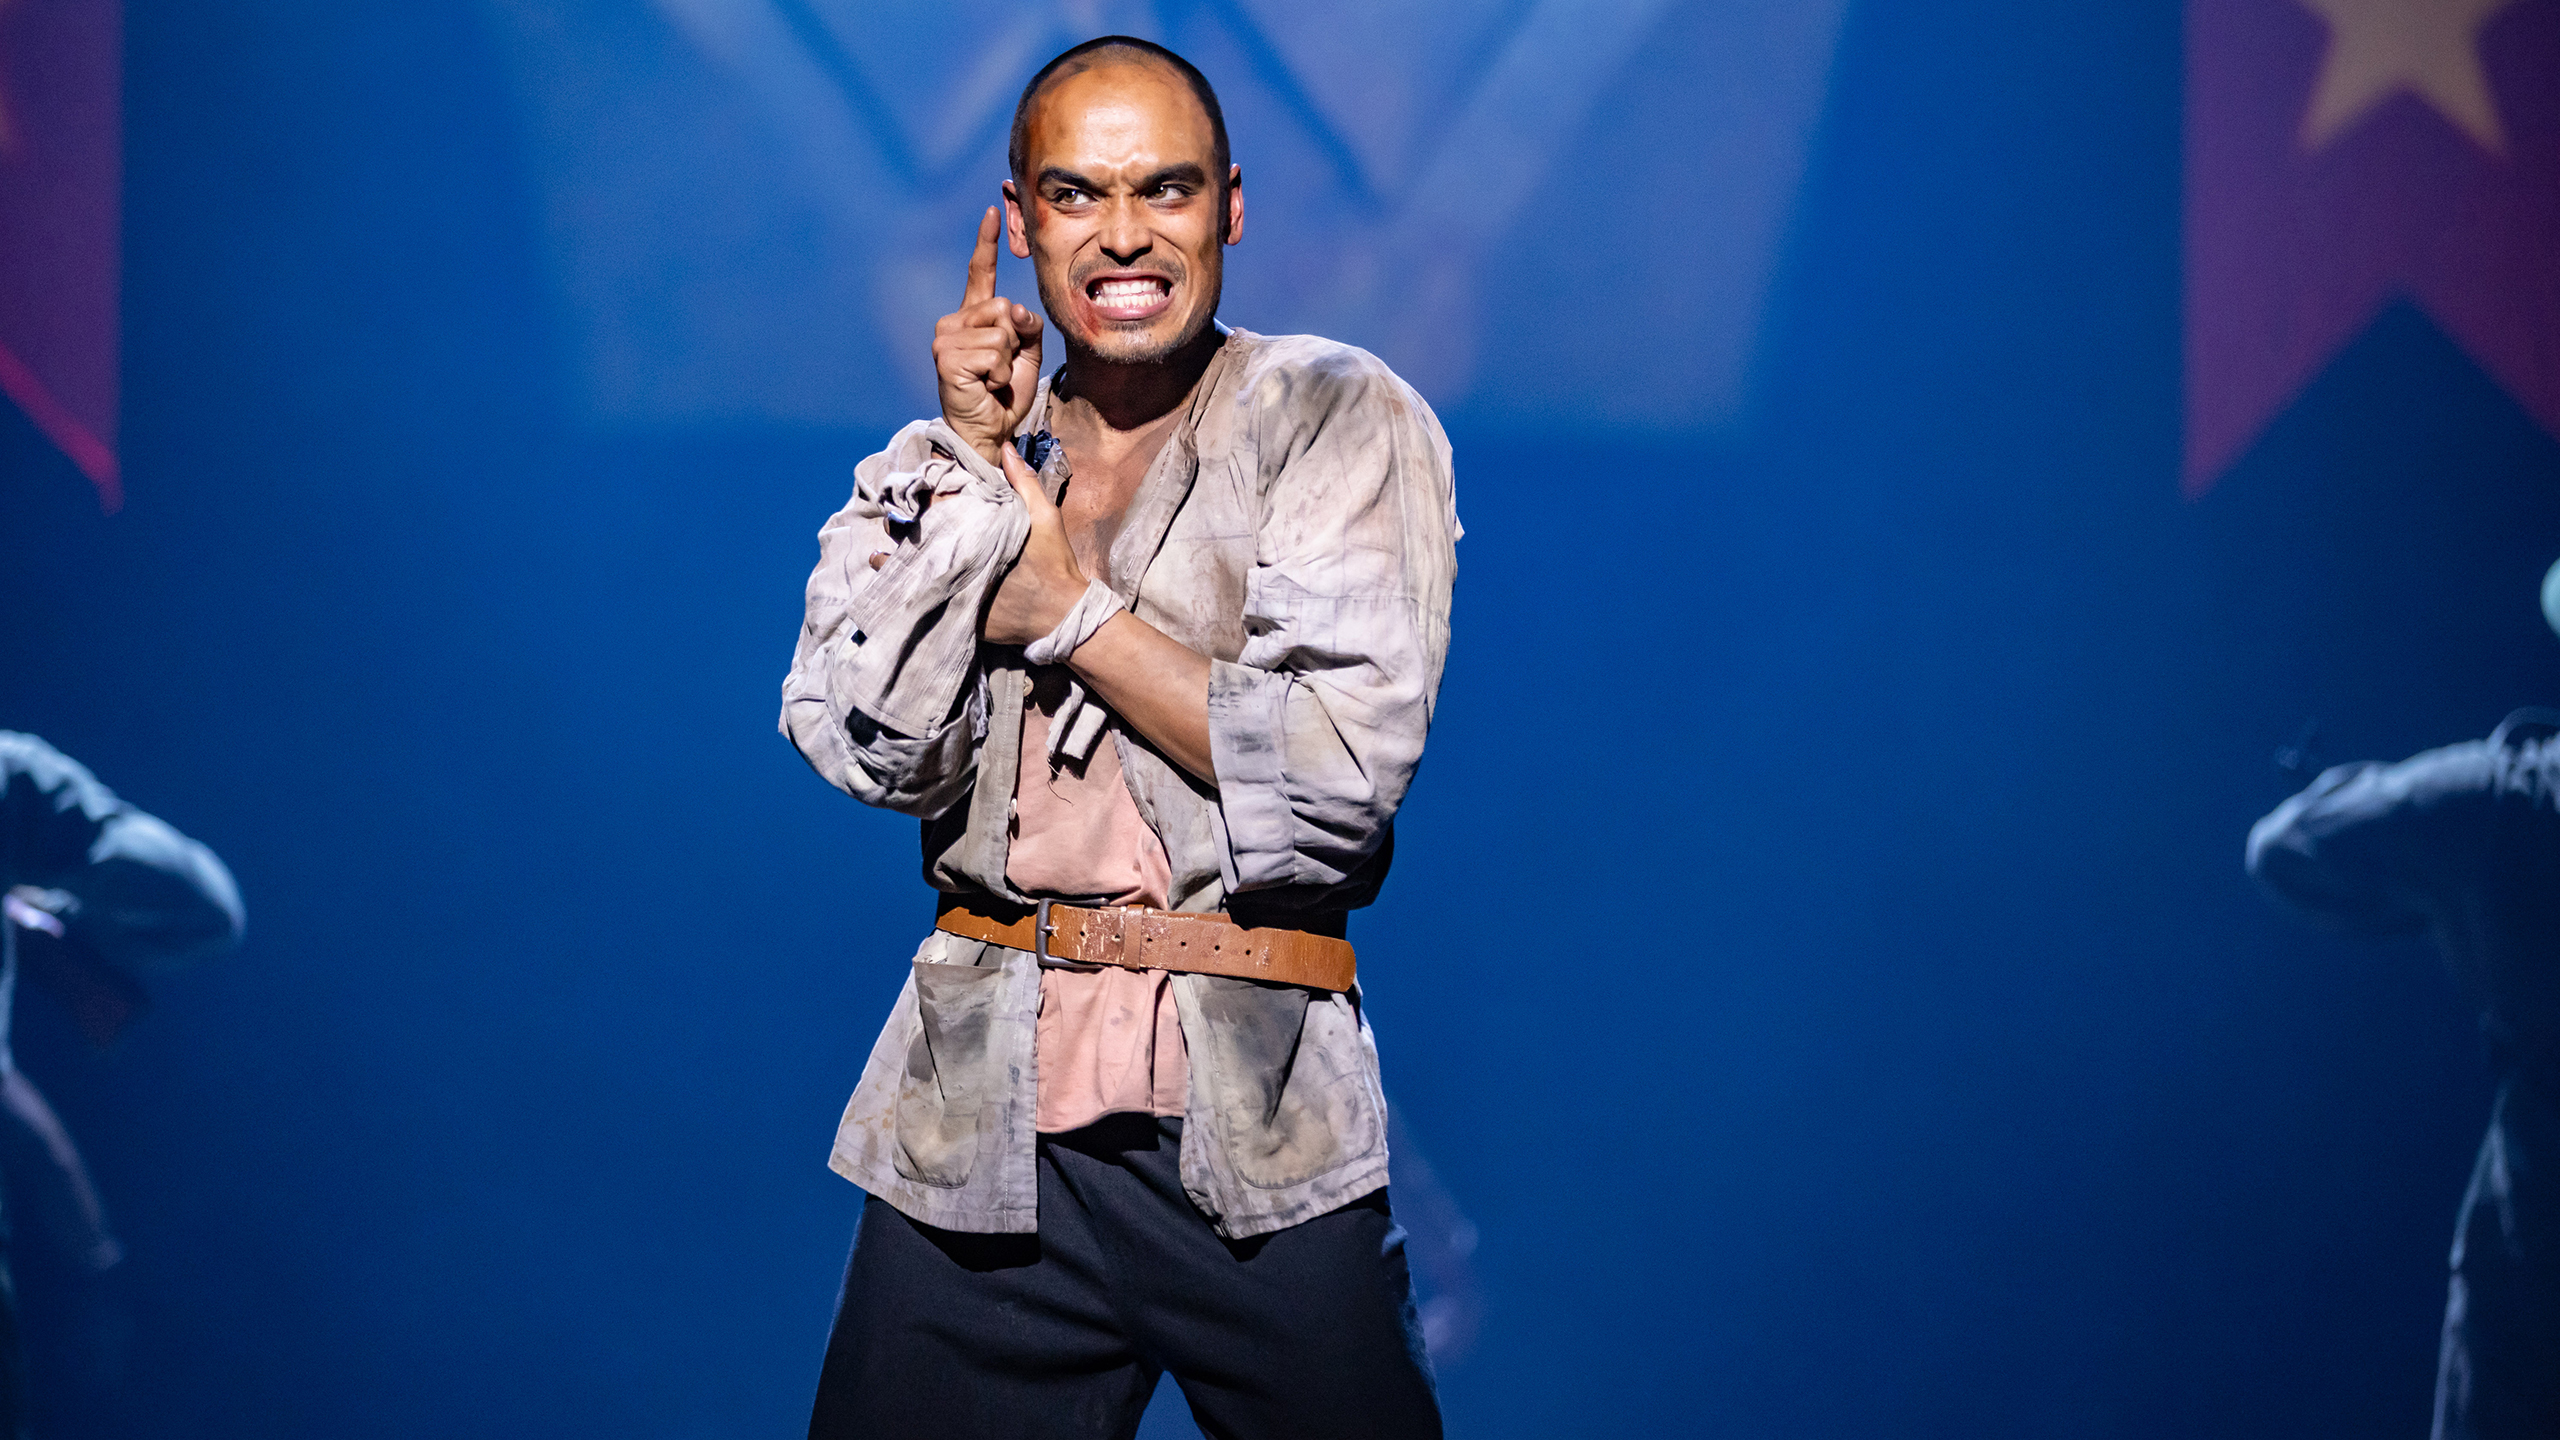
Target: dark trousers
{"points": [[1308, 1332]]}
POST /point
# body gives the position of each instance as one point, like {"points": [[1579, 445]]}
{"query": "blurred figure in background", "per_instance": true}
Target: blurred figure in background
{"points": [[94, 891], [1441, 1243], [2463, 844]]}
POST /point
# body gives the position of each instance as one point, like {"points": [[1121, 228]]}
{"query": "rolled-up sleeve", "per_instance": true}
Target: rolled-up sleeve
{"points": [[2374, 848], [1316, 728], [883, 695]]}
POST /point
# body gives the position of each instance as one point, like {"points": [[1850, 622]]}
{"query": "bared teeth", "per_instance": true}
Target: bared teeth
{"points": [[1128, 292]]}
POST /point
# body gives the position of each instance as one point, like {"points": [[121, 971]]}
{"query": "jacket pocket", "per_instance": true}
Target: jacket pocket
{"points": [[944, 1088], [1293, 1100]]}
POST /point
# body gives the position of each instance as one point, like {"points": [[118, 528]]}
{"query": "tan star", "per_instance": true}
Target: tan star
{"points": [[2378, 48]]}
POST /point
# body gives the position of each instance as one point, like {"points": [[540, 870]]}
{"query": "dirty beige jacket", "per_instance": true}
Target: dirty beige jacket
{"points": [[1300, 529]]}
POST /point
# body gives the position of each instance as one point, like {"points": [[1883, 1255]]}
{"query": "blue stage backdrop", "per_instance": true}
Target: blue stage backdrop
{"points": [[714, 174], [1817, 962]]}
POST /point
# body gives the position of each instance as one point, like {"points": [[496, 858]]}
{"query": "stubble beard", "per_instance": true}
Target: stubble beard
{"points": [[1112, 347]]}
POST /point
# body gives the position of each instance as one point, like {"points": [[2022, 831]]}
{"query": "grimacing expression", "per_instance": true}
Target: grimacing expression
{"points": [[1119, 212]]}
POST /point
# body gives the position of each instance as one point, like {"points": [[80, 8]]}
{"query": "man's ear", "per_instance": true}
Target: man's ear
{"points": [[1231, 225], [1017, 232]]}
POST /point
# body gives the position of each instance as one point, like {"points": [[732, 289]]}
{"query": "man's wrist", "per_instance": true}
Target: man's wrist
{"points": [[991, 451], [989, 448], [1091, 611]]}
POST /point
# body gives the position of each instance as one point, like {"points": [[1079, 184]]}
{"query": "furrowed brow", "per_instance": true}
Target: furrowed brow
{"points": [[1183, 174]]}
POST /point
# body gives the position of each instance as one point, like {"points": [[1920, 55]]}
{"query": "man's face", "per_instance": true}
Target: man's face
{"points": [[1119, 212]]}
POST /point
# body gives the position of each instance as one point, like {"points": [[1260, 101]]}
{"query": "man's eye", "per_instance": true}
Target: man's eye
{"points": [[1066, 197]]}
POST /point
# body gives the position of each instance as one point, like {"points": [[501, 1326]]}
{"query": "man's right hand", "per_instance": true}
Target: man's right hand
{"points": [[986, 355]]}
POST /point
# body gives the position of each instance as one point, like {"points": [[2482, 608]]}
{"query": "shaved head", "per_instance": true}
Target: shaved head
{"points": [[1115, 50]]}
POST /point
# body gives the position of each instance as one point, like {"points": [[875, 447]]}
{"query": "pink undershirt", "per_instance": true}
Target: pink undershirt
{"points": [[1109, 1039]]}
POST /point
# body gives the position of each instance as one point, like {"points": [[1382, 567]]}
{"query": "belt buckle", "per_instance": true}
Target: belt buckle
{"points": [[1042, 929]]}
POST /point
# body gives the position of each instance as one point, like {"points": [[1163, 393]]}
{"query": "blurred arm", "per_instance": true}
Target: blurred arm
{"points": [[2377, 849], [47, 1174], [124, 883]]}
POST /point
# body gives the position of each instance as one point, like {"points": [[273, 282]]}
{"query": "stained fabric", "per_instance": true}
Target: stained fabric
{"points": [[1110, 1042], [1076, 833], [1299, 527], [1108, 1039]]}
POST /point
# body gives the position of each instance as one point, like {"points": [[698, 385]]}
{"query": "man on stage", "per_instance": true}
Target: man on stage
{"points": [[2463, 844], [1151, 649], [89, 887]]}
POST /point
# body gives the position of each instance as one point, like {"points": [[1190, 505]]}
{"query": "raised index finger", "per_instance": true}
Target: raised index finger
{"points": [[982, 263]]}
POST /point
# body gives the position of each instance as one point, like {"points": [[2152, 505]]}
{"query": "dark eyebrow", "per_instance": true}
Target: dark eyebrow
{"points": [[1186, 173]]}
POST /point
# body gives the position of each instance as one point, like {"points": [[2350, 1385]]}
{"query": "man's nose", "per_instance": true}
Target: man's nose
{"points": [[1124, 236]]}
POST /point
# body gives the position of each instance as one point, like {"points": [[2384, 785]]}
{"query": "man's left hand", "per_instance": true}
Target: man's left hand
{"points": [[1046, 582]]}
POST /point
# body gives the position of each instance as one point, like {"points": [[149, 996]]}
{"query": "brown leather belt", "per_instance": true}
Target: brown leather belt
{"points": [[1145, 939]]}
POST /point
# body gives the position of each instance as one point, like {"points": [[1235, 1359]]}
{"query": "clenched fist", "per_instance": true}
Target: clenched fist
{"points": [[1045, 583], [986, 355]]}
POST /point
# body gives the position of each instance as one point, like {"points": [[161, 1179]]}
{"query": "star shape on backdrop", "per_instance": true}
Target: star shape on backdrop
{"points": [[2345, 156], [2381, 48]]}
